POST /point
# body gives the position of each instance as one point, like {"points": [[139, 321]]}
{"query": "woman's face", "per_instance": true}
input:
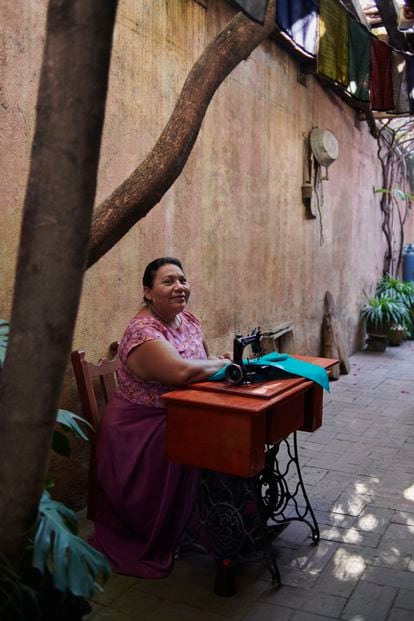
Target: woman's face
{"points": [[170, 291]]}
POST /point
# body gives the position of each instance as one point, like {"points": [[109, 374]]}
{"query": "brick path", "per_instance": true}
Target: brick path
{"points": [[359, 473]]}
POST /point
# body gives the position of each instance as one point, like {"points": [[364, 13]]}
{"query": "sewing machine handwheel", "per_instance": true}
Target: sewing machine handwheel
{"points": [[233, 373]]}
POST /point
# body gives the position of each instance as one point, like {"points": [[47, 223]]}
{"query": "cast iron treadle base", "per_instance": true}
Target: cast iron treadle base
{"points": [[281, 500], [236, 518]]}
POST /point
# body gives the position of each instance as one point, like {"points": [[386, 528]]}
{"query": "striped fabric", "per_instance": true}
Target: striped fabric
{"points": [[333, 41]]}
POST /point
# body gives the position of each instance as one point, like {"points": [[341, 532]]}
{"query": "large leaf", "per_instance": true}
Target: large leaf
{"points": [[74, 564], [4, 339], [68, 420]]}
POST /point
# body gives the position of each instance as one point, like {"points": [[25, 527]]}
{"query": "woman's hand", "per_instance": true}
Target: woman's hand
{"points": [[226, 356]]}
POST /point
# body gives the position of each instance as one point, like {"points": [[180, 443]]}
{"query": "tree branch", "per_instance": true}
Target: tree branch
{"points": [[145, 187]]}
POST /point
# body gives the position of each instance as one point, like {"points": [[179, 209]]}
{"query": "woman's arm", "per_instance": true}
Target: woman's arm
{"points": [[158, 360]]}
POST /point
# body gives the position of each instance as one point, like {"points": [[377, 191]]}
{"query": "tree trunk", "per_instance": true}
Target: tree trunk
{"points": [[145, 187], [52, 252]]}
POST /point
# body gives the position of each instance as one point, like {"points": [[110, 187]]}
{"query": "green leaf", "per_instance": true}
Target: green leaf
{"points": [[396, 191], [61, 444], [402, 195], [4, 339], [50, 482], [74, 564], [385, 311], [68, 419]]}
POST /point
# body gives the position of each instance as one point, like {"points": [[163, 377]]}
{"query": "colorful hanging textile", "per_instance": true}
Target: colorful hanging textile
{"points": [[381, 76], [255, 9], [299, 19], [409, 73], [333, 41], [399, 82], [359, 60]]}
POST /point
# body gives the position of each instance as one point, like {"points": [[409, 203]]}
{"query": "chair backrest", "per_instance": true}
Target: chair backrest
{"points": [[90, 379], [85, 373]]}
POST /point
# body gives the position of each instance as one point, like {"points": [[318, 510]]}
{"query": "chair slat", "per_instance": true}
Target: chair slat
{"points": [[85, 372]]}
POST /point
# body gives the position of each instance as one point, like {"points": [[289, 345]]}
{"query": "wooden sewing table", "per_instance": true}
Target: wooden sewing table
{"points": [[234, 434]]}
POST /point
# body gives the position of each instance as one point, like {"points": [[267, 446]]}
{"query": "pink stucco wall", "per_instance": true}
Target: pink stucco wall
{"points": [[235, 216]]}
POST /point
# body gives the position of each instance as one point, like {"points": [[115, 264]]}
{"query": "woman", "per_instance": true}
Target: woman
{"points": [[145, 500]]}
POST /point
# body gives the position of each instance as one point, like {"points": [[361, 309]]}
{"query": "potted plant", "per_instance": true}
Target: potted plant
{"points": [[404, 292], [383, 315]]}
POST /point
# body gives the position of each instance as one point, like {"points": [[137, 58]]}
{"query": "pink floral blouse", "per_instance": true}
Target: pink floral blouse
{"points": [[187, 340]]}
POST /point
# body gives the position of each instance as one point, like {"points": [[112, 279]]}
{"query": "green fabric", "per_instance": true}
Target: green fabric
{"points": [[359, 60], [284, 366]]}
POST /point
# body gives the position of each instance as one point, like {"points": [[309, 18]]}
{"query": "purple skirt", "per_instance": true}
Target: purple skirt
{"points": [[145, 500]]}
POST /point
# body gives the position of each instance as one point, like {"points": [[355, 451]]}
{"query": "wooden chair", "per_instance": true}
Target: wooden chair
{"points": [[96, 384]]}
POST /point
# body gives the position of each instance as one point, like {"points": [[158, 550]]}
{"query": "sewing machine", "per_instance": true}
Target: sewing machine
{"points": [[241, 372]]}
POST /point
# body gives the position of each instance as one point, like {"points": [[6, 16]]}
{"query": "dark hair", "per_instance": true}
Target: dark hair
{"points": [[153, 267]]}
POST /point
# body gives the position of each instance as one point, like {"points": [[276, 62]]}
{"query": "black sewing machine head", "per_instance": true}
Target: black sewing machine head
{"points": [[238, 372]]}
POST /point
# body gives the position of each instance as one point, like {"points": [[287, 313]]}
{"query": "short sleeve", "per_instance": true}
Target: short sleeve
{"points": [[140, 330]]}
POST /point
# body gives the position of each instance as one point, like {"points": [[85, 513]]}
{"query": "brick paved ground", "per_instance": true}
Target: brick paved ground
{"points": [[359, 472]]}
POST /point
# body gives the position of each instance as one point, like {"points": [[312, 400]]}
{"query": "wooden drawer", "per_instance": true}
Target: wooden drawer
{"points": [[285, 418], [222, 440]]}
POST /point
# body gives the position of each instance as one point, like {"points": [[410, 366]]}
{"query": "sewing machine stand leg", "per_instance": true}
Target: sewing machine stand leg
{"points": [[281, 490]]}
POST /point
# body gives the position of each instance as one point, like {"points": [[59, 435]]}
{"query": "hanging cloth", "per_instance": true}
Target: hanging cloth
{"points": [[381, 76], [399, 82], [299, 19], [255, 9], [283, 366], [333, 41], [409, 74], [359, 60]]}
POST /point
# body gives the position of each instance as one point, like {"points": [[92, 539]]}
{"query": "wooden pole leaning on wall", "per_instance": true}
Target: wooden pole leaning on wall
{"points": [[332, 343]]}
